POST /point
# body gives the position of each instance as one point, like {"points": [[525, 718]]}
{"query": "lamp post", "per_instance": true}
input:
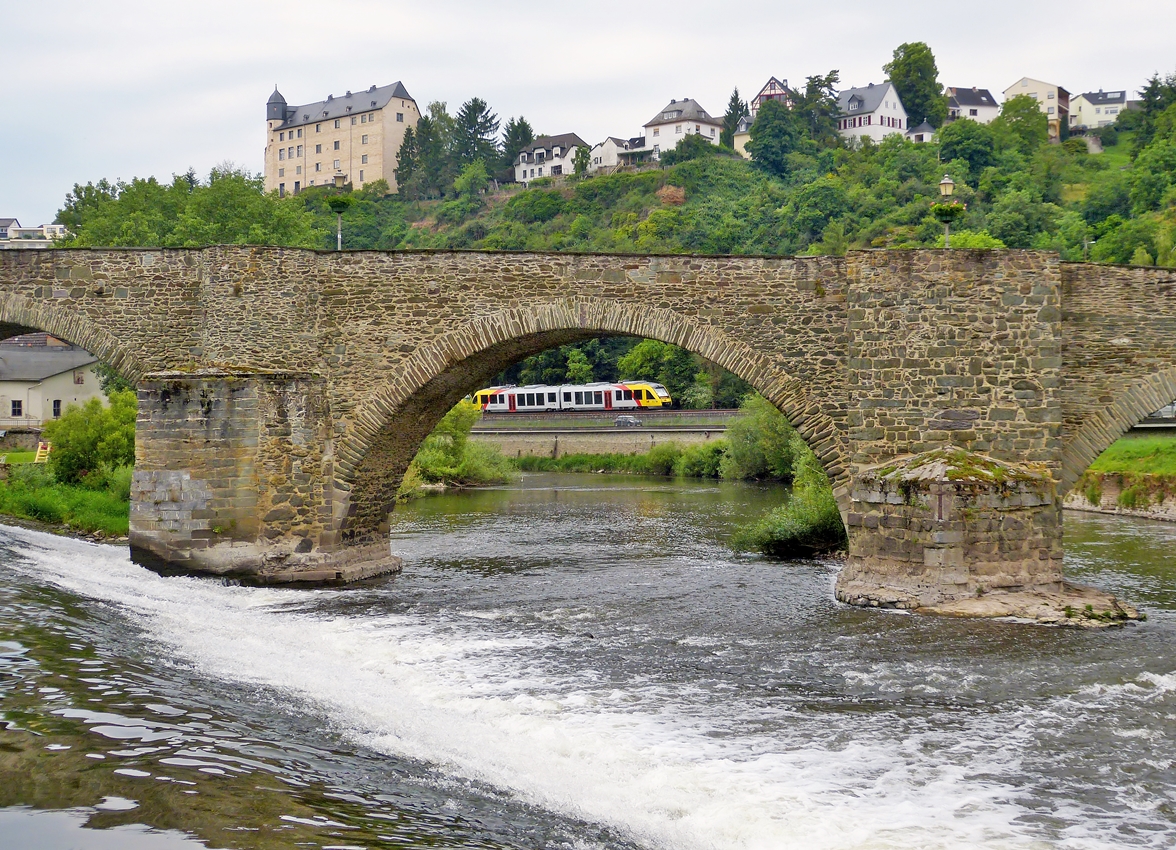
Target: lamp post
{"points": [[338, 203], [946, 187]]}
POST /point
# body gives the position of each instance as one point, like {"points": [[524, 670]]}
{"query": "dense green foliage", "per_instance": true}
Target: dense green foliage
{"points": [[93, 440], [448, 457], [916, 79], [31, 493]]}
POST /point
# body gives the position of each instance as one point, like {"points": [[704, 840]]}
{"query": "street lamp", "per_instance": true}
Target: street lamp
{"points": [[946, 187], [338, 203]]}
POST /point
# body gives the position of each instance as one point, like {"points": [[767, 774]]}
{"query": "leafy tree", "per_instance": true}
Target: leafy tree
{"points": [[916, 79], [971, 239], [970, 141], [475, 133], [692, 147], [1022, 123], [94, 438], [515, 136], [736, 109], [760, 443], [473, 180], [818, 106], [1155, 97], [110, 381], [582, 161], [1153, 175], [776, 134], [579, 369]]}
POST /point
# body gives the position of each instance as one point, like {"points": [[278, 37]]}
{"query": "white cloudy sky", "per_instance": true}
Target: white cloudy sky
{"points": [[124, 88]]}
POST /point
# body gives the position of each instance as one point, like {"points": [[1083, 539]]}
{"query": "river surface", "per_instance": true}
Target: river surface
{"points": [[576, 662]]}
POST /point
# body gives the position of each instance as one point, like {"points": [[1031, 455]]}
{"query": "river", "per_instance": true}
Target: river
{"points": [[576, 662]]}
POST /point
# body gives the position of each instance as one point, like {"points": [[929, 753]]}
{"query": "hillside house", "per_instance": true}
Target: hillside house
{"points": [[976, 104], [547, 156], [40, 376], [1053, 100], [1091, 110], [873, 112]]}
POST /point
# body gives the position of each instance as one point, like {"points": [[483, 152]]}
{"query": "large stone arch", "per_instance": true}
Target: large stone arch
{"points": [[388, 427], [19, 314], [1098, 431]]}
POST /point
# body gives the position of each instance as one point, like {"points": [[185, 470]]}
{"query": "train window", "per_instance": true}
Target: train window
{"points": [[619, 395], [628, 395], [579, 398], [530, 399], [551, 398], [567, 398], [599, 397]]}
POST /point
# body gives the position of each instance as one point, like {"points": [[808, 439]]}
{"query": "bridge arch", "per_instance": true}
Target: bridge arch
{"points": [[1099, 431], [19, 315], [388, 427]]}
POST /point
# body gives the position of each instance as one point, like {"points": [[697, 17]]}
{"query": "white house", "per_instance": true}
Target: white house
{"points": [[677, 120], [873, 112], [40, 376], [547, 156], [1097, 108], [607, 154], [977, 104], [12, 235]]}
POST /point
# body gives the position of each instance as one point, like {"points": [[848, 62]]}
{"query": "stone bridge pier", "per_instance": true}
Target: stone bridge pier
{"points": [[952, 397]]}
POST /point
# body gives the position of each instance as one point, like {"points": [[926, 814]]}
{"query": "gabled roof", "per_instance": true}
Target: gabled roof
{"points": [[744, 125], [773, 87], [564, 141], [924, 129], [36, 363], [970, 97], [869, 97], [1098, 98], [5, 223], [681, 111], [376, 97]]}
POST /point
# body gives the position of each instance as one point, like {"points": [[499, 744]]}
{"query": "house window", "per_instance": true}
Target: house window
{"points": [[541, 171], [297, 186], [361, 175], [56, 408], [17, 408], [1049, 96], [281, 190], [281, 137], [336, 164], [298, 169], [1050, 110], [318, 128], [678, 128], [353, 120], [973, 112], [336, 145], [336, 123], [712, 132], [318, 148], [363, 119], [1097, 111], [289, 153], [363, 159], [281, 153], [400, 117], [656, 131], [556, 170], [318, 166], [281, 172], [300, 150], [363, 139], [300, 134]]}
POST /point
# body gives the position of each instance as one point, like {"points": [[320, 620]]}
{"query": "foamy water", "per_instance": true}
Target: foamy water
{"points": [[612, 728]]}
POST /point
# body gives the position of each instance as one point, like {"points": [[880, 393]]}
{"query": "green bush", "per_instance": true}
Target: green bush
{"points": [[86, 439], [701, 461], [535, 205], [809, 523], [760, 443], [448, 457], [662, 459]]}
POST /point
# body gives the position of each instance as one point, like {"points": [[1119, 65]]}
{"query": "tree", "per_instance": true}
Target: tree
{"points": [[579, 369], [970, 141], [581, 161], [515, 136], [1155, 97], [818, 106], [475, 133], [916, 79], [93, 438], [775, 135], [472, 181], [1023, 123], [736, 109]]}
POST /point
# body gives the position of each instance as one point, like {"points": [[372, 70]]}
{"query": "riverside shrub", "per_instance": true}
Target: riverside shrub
{"points": [[93, 438]]}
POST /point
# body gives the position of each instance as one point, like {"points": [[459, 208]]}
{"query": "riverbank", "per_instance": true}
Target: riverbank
{"points": [[1136, 477]]}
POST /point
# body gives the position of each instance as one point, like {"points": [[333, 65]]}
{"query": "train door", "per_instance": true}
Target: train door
{"points": [[511, 398], [608, 394]]}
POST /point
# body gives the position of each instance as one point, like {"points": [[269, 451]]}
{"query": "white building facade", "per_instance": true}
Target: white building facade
{"points": [[677, 120], [12, 235], [1091, 110], [975, 104], [871, 112], [548, 156], [40, 377]]}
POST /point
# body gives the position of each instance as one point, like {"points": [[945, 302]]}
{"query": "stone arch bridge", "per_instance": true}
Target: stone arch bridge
{"points": [[952, 396]]}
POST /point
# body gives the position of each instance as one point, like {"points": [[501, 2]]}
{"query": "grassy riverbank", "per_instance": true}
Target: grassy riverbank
{"points": [[1150, 454], [30, 493]]}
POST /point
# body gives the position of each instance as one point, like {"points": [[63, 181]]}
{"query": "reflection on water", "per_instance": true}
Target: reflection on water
{"points": [[578, 661]]}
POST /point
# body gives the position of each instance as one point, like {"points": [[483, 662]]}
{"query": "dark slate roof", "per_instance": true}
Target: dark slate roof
{"points": [[924, 129], [1101, 98], [5, 223], [744, 125], [351, 103], [971, 97], [36, 363], [688, 110], [564, 141], [871, 98], [276, 97]]}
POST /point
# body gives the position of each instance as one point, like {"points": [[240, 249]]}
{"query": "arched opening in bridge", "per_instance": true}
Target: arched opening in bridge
{"points": [[67, 422], [371, 463]]}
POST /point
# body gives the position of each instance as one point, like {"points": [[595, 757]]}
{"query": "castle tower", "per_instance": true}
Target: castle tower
{"points": [[275, 107]]}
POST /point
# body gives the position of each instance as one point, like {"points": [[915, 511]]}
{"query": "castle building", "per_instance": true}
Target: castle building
{"points": [[355, 137]]}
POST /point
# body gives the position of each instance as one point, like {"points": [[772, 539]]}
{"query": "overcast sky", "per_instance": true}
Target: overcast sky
{"points": [[128, 89]]}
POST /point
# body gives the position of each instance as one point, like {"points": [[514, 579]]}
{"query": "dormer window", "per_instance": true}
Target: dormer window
{"points": [[853, 105], [523, 156], [555, 151]]}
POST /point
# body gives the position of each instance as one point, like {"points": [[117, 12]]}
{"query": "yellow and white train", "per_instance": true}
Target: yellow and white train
{"points": [[538, 398]]}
